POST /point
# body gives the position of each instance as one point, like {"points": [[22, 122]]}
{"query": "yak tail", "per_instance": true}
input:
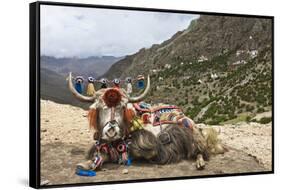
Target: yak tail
{"points": [[213, 142]]}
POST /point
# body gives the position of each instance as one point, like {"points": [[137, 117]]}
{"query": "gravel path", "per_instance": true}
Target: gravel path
{"points": [[65, 139]]}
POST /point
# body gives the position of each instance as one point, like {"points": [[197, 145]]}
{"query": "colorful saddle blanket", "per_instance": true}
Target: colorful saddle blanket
{"points": [[162, 114]]}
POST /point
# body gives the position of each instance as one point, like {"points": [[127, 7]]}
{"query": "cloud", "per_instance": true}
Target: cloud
{"points": [[83, 32]]}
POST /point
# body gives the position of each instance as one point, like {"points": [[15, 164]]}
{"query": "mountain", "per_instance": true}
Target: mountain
{"points": [[90, 66], [219, 69], [53, 86]]}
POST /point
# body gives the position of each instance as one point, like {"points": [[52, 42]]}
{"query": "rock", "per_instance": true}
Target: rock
{"points": [[47, 120], [125, 171], [45, 182], [44, 130]]}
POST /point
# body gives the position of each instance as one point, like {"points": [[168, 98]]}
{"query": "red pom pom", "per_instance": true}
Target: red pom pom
{"points": [[112, 97]]}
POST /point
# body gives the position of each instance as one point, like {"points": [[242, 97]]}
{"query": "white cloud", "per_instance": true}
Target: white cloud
{"points": [[82, 32]]}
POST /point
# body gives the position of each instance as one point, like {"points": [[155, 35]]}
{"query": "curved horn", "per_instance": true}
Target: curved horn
{"points": [[142, 96], [77, 94]]}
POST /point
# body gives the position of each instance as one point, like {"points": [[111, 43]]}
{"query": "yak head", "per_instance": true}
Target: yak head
{"points": [[111, 112]]}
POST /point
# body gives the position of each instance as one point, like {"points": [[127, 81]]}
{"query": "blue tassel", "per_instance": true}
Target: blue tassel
{"points": [[140, 84], [129, 162], [89, 173], [78, 87]]}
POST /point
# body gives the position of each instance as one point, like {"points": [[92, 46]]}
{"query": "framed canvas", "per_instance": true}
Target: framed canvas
{"points": [[126, 94]]}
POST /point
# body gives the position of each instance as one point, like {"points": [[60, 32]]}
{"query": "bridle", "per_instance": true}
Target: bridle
{"points": [[112, 114], [112, 120], [113, 123]]}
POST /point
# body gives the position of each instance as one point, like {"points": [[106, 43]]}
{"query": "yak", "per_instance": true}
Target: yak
{"points": [[112, 115]]}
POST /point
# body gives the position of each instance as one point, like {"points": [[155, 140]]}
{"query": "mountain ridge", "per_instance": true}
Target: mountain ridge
{"points": [[79, 66], [218, 69]]}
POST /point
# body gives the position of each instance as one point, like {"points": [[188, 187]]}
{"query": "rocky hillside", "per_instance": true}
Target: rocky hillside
{"points": [[218, 69]]}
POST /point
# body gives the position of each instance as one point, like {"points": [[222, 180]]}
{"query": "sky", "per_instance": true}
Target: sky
{"points": [[83, 32]]}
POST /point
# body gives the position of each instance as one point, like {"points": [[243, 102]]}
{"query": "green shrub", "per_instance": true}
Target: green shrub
{"points": [[260, 110], [249, 108], [253, 120], [248, 118], [217, 120], [265, 120]]}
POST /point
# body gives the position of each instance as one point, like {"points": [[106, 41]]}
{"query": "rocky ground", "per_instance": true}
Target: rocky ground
{"points": [[65, 139]]}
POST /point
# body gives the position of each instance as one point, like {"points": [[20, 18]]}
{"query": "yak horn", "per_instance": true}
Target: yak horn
{"points": [[142, 96], [77, 94]]}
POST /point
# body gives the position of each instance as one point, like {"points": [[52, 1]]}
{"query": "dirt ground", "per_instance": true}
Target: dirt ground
{"points": [[65, 138]]}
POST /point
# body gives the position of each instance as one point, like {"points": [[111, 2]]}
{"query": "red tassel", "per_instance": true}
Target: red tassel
{"points": [[92, 117]]}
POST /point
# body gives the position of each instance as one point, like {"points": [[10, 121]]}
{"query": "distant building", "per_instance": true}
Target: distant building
{"points": [[253, 53], [239, 52], [167, 66], [202, 58], [240, 62], [214, 76]]}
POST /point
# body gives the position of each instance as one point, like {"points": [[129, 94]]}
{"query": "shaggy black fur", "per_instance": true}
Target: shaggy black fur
{"points": [[183, 144]]}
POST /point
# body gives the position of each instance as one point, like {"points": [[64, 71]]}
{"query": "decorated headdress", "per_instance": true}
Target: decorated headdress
{"points": [[79, 78], [112, 97], [91, 79], [116, 81], [103, 81], [128, 79]]}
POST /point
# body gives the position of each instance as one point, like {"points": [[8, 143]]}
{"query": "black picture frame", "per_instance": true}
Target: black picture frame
{"points": [[34, 92]]}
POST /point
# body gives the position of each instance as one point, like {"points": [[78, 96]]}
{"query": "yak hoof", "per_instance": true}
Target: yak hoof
{"points": [[200, 163], [85, 165]]}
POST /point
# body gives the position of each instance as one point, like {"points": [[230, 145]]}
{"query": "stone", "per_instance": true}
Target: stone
{"points": [[45, 182], [125, 171]]}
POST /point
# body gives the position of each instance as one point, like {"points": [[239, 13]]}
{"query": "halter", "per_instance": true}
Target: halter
{"points": [[112, 120], [112, 115], [117, 152]]}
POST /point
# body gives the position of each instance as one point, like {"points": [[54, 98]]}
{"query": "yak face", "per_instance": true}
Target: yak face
{"points": [[110, 115], [111, 123]]}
